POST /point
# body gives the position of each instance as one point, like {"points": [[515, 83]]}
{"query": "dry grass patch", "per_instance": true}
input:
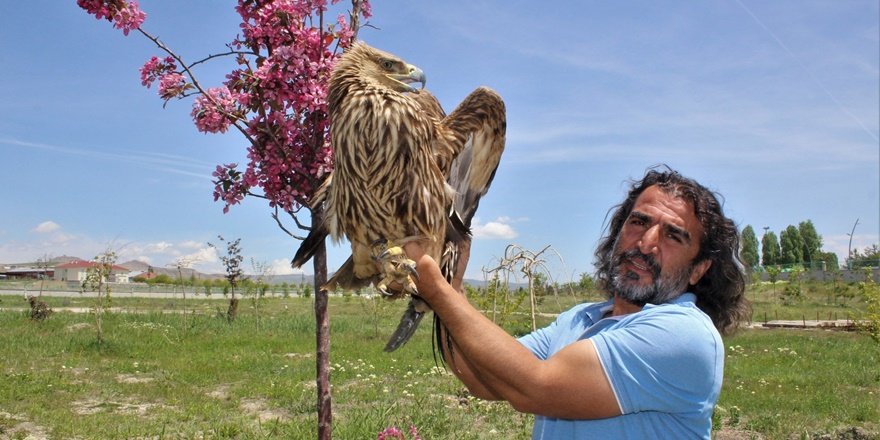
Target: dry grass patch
{"points": [[259, 408]]}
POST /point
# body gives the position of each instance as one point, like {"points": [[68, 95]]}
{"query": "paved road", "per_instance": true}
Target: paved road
{"points": [[122, 293], [116, 293]]}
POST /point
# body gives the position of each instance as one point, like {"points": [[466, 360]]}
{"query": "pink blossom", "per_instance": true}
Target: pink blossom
{"points": [[125, 16], [215, 112], [345, 34], [128, 17], [393, 432], [366, 10], [171, 85], [155, 68], [390, 432]]}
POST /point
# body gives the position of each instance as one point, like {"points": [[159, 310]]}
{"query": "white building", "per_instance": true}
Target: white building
{"points": [[78, 270]]}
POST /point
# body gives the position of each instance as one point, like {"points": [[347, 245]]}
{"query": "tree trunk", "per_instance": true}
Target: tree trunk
{"points": [[322, 332], [232, 310]]}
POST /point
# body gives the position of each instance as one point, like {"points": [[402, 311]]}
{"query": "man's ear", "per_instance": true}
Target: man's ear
{"points": [[699, 270]]}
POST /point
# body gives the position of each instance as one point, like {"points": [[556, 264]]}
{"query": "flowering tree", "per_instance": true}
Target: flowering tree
{"points": [[276, 98]]}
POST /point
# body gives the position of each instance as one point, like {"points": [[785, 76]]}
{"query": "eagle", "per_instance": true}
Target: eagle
{"points": [[403, 170]]}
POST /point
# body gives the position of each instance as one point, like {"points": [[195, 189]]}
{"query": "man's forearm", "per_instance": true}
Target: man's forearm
{"points": [[464, 371], [503, 364]]}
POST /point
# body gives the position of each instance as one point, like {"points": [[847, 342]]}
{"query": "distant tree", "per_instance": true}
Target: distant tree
{"points": [[830, 259], [160, 279], [769, 249], [812, 241], [232, 262], [792, 246], [264, 275], [39, 309], [180, 264], [869, 258], [530, 264], [96, 281], [43, 264], [749, 251], [586, 283], [773, 275]]}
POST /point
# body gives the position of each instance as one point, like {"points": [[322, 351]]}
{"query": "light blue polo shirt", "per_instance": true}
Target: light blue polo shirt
{"points": [[665, 364]]}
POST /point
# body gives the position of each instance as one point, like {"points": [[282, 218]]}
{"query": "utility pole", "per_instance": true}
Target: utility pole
{"points": [[849, 248]]}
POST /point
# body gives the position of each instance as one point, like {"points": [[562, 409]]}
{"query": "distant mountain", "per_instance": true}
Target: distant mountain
{"points": [[64, 259], [136, 266], [310, 280], [186, 273]]}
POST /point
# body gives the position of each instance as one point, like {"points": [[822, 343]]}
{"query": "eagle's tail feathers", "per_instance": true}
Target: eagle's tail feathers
{"points": [[308, 246], [409, 322]]}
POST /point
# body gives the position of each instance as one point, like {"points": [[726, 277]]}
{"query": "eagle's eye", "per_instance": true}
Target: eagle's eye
{"points": [[387, 64]]}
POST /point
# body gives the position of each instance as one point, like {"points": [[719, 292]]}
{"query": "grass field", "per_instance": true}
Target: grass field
{"points": [[193, 375]]}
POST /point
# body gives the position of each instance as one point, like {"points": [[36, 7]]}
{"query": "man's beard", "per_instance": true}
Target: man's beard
{"points": [[662, 288]]}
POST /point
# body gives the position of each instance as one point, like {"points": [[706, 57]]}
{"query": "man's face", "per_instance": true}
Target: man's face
{"points": [[654, 252]]}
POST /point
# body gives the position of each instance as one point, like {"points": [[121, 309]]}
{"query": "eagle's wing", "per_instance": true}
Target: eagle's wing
{"points": [[468, 145], [468, 149], [481, 120]]}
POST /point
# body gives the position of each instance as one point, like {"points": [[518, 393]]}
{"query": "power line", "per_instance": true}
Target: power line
{"points": [[809, 72]]}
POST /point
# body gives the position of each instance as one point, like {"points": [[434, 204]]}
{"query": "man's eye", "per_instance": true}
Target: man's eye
{"points": [[675, 237]]}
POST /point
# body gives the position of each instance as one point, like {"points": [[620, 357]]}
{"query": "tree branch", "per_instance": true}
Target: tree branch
{"points": [[283, 228], [196, 84], [218, 55]]}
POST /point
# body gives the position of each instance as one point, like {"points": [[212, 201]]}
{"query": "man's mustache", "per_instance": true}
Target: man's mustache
{"points": [[648, 260]]}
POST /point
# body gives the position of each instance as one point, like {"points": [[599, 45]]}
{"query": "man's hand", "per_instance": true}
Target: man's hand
{"points": [[414, 250], [430, 281]]}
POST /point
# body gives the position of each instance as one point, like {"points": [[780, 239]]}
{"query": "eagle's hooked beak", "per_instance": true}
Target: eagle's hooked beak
{"points": [[414, 75]]}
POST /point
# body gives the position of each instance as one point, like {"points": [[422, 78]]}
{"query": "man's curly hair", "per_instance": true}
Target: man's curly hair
{"points": [[721, 291]]}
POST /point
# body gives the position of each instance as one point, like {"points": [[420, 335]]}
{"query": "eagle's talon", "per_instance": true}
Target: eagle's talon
{"points": [[397, 270], [412, 269], [383, 290]]}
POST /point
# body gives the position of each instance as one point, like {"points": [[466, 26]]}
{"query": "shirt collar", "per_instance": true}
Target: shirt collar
{"points": [[596, 312], [684, 298]]}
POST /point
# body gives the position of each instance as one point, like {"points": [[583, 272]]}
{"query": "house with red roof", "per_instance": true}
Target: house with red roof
{"points": [[78, 270]]}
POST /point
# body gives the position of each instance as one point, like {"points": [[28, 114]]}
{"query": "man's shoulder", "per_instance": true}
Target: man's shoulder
{"points": [[592, 310], [676, 316], [684, 304]]}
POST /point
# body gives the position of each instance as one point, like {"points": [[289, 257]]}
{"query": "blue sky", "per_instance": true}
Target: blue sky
{"points": [[773, 104]]}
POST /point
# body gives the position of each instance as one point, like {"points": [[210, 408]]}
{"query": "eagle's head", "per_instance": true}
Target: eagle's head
{"points": [[378, 68]]}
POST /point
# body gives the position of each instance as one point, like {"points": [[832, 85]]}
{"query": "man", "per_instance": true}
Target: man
{"points": [[647, 363]]}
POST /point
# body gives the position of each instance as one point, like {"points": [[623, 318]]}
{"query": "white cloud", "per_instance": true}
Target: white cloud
{"points": [[497, 229], [143, 259], [281, 266], [46, 227], [191, 244], [206, 254], [158, 248], [840, 244]]}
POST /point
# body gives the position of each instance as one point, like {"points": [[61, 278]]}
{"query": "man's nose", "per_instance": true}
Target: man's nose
{"points": [[650, 240]]}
